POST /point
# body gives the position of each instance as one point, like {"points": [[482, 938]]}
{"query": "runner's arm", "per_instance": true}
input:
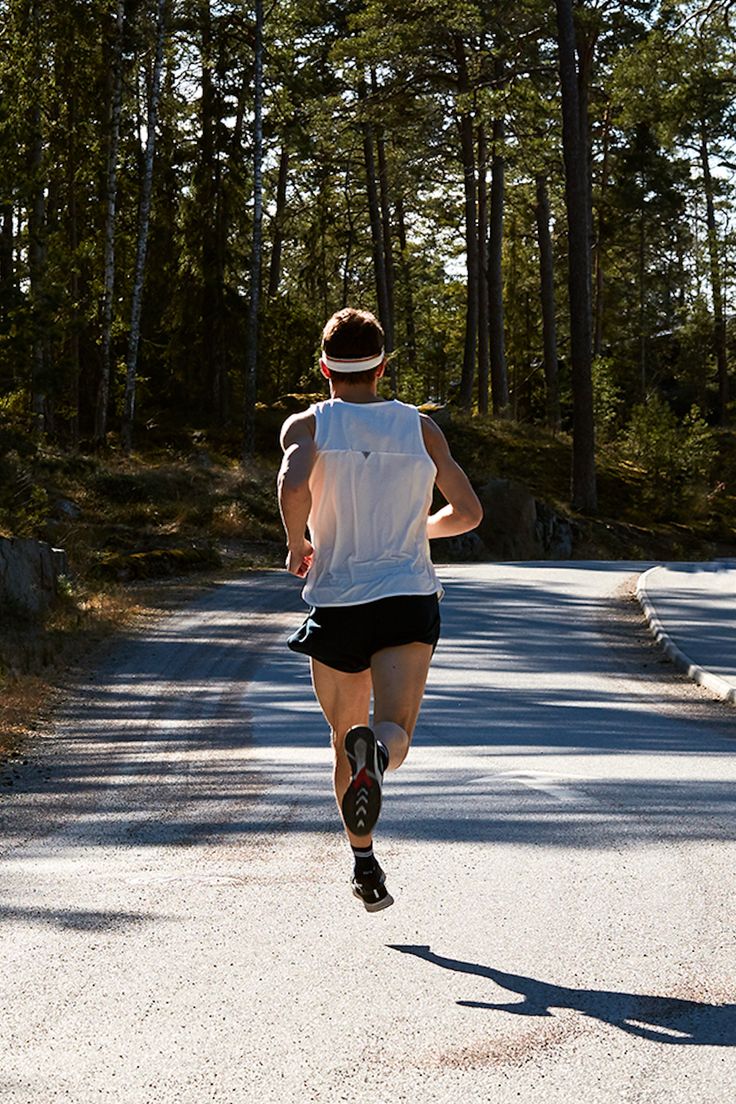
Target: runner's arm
{"points": [[463, 510], [295, 499]]}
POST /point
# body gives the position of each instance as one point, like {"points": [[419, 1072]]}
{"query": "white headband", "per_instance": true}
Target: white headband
{"points": [[354, 364]]}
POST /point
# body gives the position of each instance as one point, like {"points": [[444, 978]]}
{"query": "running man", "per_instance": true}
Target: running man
{"points": [[359, 472]]}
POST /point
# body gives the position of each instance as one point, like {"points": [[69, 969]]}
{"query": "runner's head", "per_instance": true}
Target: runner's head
{"points": [[352, 339]]}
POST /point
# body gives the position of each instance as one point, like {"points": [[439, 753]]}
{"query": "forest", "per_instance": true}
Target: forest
{"points": [[536, 199]]}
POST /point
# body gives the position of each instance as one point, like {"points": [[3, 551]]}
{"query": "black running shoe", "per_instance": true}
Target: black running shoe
{"points": [[362, 801], [370, 888]]}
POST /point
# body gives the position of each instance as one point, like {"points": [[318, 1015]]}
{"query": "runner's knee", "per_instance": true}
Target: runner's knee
{"points": [[396, 739]]}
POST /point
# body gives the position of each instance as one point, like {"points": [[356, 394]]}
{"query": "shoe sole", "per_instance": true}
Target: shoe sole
{"points": [[374, 906], [361, 805]]}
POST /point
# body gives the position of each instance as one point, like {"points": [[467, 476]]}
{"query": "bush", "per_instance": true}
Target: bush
{"points": [[677, 457], [607, 398], [24, 504]]}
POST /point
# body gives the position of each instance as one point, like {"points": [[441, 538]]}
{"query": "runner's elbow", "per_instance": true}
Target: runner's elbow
{"points": [[472, 514]]}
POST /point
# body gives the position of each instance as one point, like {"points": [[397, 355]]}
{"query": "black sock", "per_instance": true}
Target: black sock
{"points": [[382, 755], [365, 860]]}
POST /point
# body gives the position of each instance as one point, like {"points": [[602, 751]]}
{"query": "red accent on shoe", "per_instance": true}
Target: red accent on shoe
{"points": [[362, 779]]}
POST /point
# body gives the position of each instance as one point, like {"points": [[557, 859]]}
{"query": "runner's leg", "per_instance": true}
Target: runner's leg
{"points": [[399, 676], [345, 701]]}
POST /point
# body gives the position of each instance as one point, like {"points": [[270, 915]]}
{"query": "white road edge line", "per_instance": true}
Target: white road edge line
{"points": [[713, 682]]}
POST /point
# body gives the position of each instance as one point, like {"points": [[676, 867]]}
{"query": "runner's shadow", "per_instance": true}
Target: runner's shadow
{"points": [[659, 1019]]}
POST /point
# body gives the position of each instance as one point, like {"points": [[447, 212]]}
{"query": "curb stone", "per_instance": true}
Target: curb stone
{"points": [[717, 685]]}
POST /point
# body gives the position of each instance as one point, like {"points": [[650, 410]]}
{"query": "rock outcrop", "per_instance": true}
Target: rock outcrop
{"points": [[516, 526], [29, 573]]}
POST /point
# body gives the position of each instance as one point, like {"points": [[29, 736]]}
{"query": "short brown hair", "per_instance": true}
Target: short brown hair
{"points": [[353, 333]]}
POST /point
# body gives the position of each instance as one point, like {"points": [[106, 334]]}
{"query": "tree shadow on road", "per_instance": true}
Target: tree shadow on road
{"points": [[657, 1019], [206, 730], [83, 920]]}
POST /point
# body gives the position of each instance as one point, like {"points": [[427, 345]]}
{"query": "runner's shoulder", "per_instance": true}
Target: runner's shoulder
{"points": [[297, 427], [433, 436]]}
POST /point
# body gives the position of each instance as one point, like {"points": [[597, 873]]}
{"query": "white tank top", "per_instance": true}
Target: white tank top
{"points": [[371, 490]]}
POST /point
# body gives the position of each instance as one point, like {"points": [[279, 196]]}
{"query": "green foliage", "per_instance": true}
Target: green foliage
{"points": [[677, 458], [607, 398], [659, 78]]}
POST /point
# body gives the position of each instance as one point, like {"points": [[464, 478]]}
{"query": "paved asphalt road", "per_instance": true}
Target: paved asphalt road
{"points": [[177, 925]]}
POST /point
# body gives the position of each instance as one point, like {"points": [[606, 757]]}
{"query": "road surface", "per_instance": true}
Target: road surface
{"points": [[176, 919]]}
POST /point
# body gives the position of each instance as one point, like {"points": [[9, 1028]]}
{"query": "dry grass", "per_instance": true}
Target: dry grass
{"points": [[132, 520], [37, 660], [37, 656]]}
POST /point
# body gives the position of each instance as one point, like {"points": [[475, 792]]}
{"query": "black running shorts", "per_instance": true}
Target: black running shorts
{"points": [[345, 637]]}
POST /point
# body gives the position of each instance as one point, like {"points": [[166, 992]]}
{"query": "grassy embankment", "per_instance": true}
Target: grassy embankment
{"points": [[144, 533]]}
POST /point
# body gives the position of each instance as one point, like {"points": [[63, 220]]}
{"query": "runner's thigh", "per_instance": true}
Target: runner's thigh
{"points": [[344, 697]]}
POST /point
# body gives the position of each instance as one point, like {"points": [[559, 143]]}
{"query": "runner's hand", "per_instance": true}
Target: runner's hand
{"points": [[299, 560]]}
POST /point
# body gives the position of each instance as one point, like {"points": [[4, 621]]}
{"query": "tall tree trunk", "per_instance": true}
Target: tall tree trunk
{"points": [[499, 369], [36, 270], [514, 293], [7, 262], [111, 192], [719, 320], [598, 243], [586, 36], [220, 396], [73, 232], [213, 231], [547, 295], [36, 234], [407, 284], [251, 361], [467, 151], [483, 306], [377, 240], [274, 272], [207, 201], [642, 305], [584, 495], [350, 243], [143, 225], [384, 193]]}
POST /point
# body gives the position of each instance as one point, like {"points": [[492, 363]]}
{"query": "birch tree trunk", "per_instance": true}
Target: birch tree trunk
{"points": [[111, 192], [547, 288], [274, 272], [251, 355], [719, 320], [584, 496], [143, 225]]}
